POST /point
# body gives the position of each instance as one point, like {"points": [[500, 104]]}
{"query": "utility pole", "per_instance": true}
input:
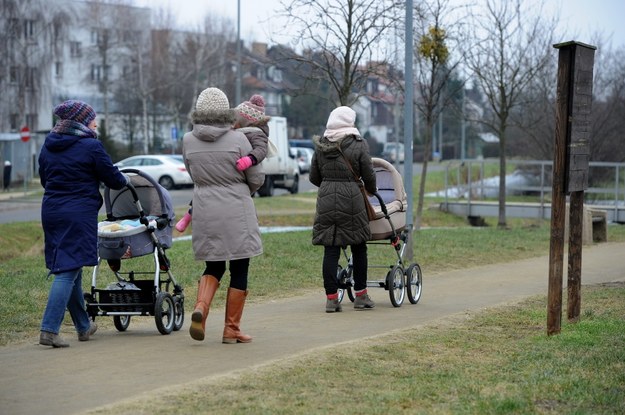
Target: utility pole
{"points": [[237, 93], [408, 126]]}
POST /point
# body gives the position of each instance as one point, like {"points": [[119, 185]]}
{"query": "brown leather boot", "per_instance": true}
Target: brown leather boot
{"points": [[234, 309], [207, 287]]}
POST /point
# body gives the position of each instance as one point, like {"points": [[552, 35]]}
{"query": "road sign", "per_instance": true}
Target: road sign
{"points": [[25, 134]]}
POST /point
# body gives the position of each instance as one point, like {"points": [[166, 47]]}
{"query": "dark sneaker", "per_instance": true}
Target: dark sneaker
{"points": [[50, 339], [363, 302], [83, 337], [333, 306]]}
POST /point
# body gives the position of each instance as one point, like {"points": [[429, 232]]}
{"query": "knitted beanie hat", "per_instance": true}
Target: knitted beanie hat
{"points": [[76, 111], [212, 100], [341, 123], [253, 110]]}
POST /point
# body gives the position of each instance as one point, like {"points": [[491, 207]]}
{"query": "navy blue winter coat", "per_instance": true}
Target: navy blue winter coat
{"points": [[71, 169]]}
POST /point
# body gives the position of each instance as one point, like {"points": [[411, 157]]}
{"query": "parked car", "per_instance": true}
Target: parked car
{"points": [[393, 152], [302, 143], [303, 155], [167, 169]]}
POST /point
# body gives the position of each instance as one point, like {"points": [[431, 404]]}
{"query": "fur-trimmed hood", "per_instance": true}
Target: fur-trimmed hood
{"points": [[213, 117], [210, 125], [330, 148]]}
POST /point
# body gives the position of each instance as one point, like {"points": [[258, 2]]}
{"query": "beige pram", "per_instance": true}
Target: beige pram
{"points": [[388, 229]]}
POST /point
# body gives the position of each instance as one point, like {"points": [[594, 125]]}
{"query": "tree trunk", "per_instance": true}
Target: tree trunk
{"points": [[426, 155], [502, 179]]}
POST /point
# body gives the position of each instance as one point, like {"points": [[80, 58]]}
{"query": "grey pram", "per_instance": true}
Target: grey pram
{"points": [[139, 222]]}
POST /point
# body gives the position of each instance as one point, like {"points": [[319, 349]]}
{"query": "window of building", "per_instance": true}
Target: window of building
{"points": [[75, 49], [30, 27], [31, 121], [99, 72], [99, 36], [30, 77], [58, 69], [14, 76], [14, 121], [13, 27]]}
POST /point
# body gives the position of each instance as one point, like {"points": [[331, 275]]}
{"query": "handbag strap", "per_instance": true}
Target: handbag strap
{"points": [[349, 166]]}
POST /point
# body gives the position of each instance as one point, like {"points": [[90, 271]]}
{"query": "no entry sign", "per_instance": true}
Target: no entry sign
{"points": [[25, 134]]}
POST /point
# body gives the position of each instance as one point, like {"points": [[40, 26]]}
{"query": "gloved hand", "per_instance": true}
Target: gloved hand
{"points": [[244, 163], [127, 177]]}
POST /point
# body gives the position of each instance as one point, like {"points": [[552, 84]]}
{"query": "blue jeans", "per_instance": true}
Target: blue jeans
{"points": [[66, 293]]}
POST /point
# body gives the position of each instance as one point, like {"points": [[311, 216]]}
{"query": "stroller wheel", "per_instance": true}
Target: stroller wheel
{"points": [[121, 322], [395, 285], [345, 283], [164, 310], [413, 281], [178, 313]]}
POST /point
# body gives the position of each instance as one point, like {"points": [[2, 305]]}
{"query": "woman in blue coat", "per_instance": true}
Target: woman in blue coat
{"points": [[72, 163]]}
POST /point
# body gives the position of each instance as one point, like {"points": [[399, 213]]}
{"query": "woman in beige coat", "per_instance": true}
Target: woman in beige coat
{"points": [[225, 225]]}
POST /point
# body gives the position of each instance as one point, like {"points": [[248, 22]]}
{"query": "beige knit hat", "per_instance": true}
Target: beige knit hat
{"points": [[212, 100]]}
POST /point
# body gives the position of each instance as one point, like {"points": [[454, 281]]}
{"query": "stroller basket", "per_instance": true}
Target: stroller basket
{"points": [[134, 297]]}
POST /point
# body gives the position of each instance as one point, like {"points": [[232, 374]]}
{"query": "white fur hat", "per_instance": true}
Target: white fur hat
{"points": [[341, 123]]}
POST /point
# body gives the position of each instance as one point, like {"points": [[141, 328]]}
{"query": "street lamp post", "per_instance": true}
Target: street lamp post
{"points": [[237, 93]]}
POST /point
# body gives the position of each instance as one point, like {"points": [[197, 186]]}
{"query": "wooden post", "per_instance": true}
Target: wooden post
{"points": [[574, 281], [570, 173]]}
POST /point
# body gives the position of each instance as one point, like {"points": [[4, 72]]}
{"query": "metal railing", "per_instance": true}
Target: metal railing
{"points": [[468, 181]]}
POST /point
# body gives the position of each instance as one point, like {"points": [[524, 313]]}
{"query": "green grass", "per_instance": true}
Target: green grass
{"points": [[498, 361], [290, 264]]}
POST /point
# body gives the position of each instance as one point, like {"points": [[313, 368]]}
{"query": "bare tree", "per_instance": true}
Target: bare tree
{"points": [[33, 33], [338, 38], [513, 45], [434, 68], [185, 63], [107, 35], [608, 108]]}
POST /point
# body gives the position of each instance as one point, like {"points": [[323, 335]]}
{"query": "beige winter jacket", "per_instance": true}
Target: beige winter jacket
{"points": [[225, 225]]}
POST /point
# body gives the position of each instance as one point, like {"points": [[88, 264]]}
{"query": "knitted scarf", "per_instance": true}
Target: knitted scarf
{"points": [[71, 127]]}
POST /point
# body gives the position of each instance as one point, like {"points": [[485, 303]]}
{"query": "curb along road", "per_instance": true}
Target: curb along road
{"points": [[116, 366]]}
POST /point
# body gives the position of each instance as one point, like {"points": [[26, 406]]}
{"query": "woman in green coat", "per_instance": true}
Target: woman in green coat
{"points": [[341, 217]]}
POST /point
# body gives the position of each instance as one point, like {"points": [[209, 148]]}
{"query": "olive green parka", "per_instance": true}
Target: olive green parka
{"points": [[341, 217]]}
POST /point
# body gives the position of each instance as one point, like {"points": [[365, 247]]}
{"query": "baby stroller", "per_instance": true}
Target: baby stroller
{"points": [[139, 220], [389, 228]]}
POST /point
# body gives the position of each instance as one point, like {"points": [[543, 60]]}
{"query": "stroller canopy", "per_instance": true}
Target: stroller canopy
{"points": [[155, 200]]}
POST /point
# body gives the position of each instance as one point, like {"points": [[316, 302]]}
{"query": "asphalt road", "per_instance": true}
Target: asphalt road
{"points": [[20, 206]]}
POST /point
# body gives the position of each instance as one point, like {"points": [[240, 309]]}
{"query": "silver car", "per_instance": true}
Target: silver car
{"points": [[303, 155], [167, 169]]}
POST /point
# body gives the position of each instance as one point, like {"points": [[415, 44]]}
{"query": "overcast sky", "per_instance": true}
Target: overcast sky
{"points": [[579, 18]]}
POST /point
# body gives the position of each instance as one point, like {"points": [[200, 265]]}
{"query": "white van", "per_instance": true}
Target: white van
{"points": [[281, 170]]}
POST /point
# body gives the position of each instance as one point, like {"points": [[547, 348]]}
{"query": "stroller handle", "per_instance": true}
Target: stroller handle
{"points": [[382, 204], [135, 197]]}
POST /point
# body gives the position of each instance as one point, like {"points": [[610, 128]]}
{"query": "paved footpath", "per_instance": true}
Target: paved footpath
{"points": [[117, 366]]}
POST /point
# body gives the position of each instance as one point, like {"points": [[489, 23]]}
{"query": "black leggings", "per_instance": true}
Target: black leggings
{"points": [[238, 271], [331, 256]]}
